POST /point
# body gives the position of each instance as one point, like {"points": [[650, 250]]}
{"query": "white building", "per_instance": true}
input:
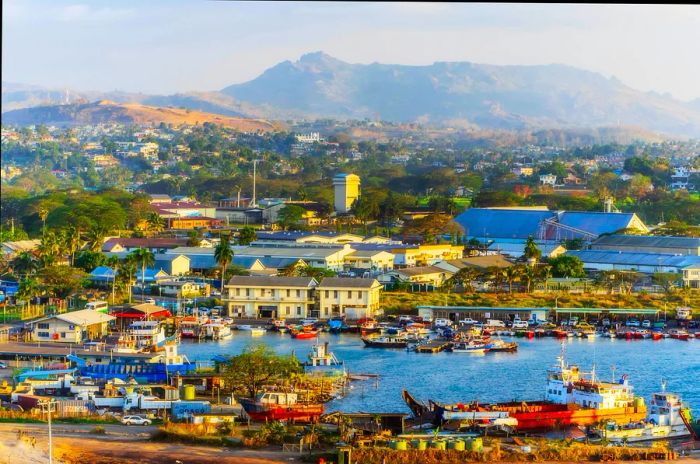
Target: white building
{"points": [[73, 327], [352, 298], [548, 179], [347, 190], [270, 297]]}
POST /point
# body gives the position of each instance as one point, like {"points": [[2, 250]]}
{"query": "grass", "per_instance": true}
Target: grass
{"points": [[197, 434]]}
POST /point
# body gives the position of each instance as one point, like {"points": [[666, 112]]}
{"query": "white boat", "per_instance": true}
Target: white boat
{"points": [[664, 421], [244, 327], [216, 330], [257, 331], [470, 347], [146, 334]]}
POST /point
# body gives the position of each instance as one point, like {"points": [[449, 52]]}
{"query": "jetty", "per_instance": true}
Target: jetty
{"points": [[433, 346]]}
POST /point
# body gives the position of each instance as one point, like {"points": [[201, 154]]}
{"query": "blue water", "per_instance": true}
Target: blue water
{"points": [[452, 377]]}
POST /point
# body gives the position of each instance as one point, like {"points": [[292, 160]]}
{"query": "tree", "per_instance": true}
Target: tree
{"points": [[71, 240], [529, 275], [126, 273], [532, 251], [223, 254], [496, 275], [464, 278], [194, 238], [88, 260], [257, 366], [62, 281], [442, 204], [155, 222], [50, 248], [289, 216], [113, 262], [433, 227], [364, 209], [246, 235], [24, 264], [95, 237], [567, 266], [665, 280], [512, 274], [29, 288], [317, 273], [144, 258]]}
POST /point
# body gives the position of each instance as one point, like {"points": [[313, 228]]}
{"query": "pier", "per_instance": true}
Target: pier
{"points": [[433, 346]]}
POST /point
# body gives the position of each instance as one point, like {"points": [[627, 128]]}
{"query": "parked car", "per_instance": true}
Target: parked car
{"points": [[468, 321], [3, 365], [135, 420], [442, 323], [518, 324], [495, 323], [633, 323], [646, 323], [150, 301], [405, 318]]}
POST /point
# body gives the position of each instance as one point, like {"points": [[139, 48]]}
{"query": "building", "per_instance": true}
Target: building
{"points": [[138, 312], [327, 257], [201, 259], [648, 244], [370, 260], [515, 248], [192, 222], [183, 289], [482, 313], [11, 249], [423, 275], [348, 297], [647, 263], [73, 327], [480, 263], [426, 254], [691, 276], [103, 276], [347, 190], [154, 245], [548, 179], [174, 265], [270, 297], [513, 223]]}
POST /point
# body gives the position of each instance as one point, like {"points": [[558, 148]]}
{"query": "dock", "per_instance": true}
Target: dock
{"points": [[433, 346]]}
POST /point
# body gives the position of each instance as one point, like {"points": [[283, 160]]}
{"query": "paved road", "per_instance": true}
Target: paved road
{"points": [[58, 429]]}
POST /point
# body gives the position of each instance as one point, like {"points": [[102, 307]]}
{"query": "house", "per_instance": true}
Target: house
{"points": [[691, 276], [183, 289], [102, 276], [192, 222], [201, 259], [327, 257], [348, 297], [428, 275], [11, 249], [480, 263], [425, 254], [73, 327], [548, 179], [151, 276], [154, 245], [125, 315], [270, 297], [370, 260], [174, 265]]}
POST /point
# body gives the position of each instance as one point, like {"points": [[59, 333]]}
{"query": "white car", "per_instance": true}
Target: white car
{"points": [[442, 323], [309, 321], [646, 323], [150, 301], [518, 324], [468, 321], [135, 420], [405, 318]]}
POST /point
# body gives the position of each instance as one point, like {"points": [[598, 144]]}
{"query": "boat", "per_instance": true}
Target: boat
{"points": [[272, 406], [679, 334], [257, 331], [497, 345], [657, 335], [571, 399], [147, 334], [386, 341], [471, 347], [321, 359], [189, 327], [560, 333], [279, 325], [697, 334], [303, 334], [216, 330], [666, 420]]}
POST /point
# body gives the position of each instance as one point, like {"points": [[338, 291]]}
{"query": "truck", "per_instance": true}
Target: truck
{"points": [[145, 402]]}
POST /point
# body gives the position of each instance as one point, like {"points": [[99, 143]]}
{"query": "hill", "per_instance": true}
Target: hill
{"points": [[106, 111], [462, 93]]}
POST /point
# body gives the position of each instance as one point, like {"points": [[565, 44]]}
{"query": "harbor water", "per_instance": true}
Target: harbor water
{"points": [[453, 377]]}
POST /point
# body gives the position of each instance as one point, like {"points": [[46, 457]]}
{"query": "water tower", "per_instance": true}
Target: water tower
{"points": [[347, 190]]}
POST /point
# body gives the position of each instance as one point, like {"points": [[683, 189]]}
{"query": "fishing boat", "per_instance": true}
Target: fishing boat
{"points": [[303, 334], [147, 334], [189, 327], [470, 347], [321, 359], [665, 421], [679, 334], [216, 330], [559, 333], [386, 341], [657, 335], [497, 345], [571, 398], [272, 406]]}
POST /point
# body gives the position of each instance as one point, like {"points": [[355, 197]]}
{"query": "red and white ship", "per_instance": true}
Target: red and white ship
{"points": [[280, 406], [571, 398]]}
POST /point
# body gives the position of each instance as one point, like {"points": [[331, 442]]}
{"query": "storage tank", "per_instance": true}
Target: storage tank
{"points": [[188, 392]]}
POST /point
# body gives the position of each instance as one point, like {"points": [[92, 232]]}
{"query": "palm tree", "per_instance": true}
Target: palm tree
{"points": [[28, 289], [113, 263], [49, 249], [529, 275], [223, 255], [155, 222], [512, 274], [144, 258], [463, 277], [127, 269], [95, 237], [71, 240], [24, 264], [43, 214]]}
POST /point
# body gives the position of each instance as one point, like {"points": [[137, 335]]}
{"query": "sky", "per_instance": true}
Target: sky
{"points": [[171, 46]]}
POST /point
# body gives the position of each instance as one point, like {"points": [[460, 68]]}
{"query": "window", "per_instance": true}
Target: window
{"points": [[288, 312], [349, 294], [238, 292], [359, 295], [298, 310], [298, 293], [63, 335], [335, 293], [327, 293], [289, 293], [71, 327], [43, 334], [247, 292], [43, 325]]}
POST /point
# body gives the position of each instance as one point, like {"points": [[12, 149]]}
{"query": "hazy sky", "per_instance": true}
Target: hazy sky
{"points": [[170, 46]]}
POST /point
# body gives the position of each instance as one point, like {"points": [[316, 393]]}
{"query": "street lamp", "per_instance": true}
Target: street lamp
{"points": [[49, 406]]}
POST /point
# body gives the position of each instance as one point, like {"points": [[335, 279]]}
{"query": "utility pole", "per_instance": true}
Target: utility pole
{"points": [[49, 406], [255, 163]]}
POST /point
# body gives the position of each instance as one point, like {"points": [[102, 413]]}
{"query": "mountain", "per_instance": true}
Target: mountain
{"points": [[462, 93], [105, 111]]}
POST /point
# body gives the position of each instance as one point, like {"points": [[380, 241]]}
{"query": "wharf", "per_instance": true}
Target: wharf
{"points": [[433, 346], [54, 351]]}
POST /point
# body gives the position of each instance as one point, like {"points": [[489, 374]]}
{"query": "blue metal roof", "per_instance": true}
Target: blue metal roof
{"points": [[596, 222], [246, 262], [502, 223], [634, 259], [102, 273]]}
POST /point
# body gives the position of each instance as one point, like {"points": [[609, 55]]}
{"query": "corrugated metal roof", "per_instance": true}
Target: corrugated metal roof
{"points": [[347, 282], [596, 222], [634, 259], [648, 241], [259, 281], [506, 223]]}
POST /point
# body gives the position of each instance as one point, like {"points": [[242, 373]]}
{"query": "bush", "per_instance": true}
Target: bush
{"points": [[99, 430]]}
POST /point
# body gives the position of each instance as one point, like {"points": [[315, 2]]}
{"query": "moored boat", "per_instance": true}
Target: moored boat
{"points": [[273, 406], [303, 334], [679, 334], [471, 347], [386, 341]]}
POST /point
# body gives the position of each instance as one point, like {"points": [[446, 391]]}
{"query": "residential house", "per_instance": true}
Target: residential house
{"points": [[480, 263], [154, 245], [423, 275], [183, 289], [73, 327], [174, 265], [11, 249], [370, 260], [270, 297], [691, 276], [348, 297]]}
